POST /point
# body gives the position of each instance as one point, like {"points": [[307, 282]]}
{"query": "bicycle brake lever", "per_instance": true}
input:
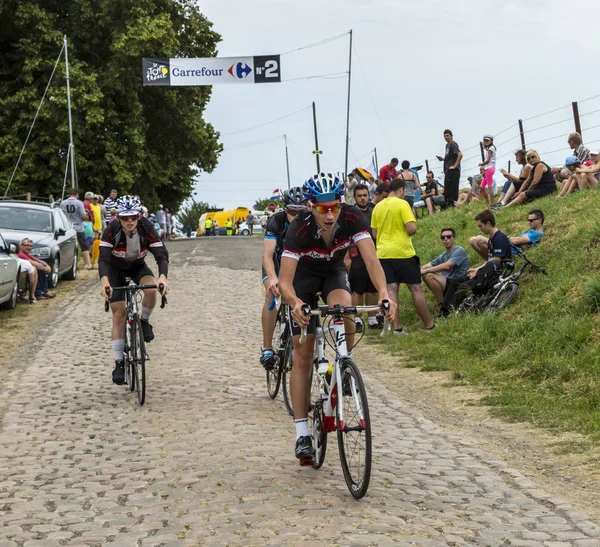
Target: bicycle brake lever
{"points": [[106, 302], [163, 302], [303, 331], [387, 326]]}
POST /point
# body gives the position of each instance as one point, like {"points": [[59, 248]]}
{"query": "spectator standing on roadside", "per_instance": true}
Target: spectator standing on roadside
{"points": [[489, 168], [110, 203], [229, 226], [41, 289], [388, 172], [451, 159], [97, 224], [103, 213], [393, 224], [76, 212], [411, 183], [250, 218], [169, 223], [87, 203], [88, 228], [161, 217], [350, 183]]}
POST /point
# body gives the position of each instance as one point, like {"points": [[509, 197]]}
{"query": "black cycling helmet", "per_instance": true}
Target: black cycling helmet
{"points": [[294, 198]]}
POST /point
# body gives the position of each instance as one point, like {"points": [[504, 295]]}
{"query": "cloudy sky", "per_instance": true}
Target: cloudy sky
{"points": [[419, 66]]}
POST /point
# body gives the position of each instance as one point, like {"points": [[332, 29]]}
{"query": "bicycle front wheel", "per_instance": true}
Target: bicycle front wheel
{"points": [[286, 375], [274, 378], [138, 363], [354, 433], [504, 298]]}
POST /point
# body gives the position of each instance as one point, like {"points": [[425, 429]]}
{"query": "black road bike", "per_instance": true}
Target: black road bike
{"points": [[134, 352]]}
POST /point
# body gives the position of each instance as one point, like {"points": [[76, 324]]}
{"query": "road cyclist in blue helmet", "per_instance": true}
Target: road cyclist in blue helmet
{"points": [[275, 231], [313, 262]]}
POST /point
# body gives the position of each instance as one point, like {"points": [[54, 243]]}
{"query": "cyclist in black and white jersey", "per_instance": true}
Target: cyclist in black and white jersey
{"points": [[277, 225], [313, 262]]}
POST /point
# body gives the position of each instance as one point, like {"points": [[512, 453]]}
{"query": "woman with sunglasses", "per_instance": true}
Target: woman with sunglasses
{"points": [[539, 183], [312, 262], [275, 231], [125, 243]]}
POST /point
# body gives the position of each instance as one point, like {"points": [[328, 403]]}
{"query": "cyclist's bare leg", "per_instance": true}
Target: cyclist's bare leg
{"points": [[299, 385], [343, 298], [392, 289], [118, 319], [268, 318], [150, 295]]}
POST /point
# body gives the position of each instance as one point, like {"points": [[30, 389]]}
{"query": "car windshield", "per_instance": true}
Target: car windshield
{"points": [[25, 220]]}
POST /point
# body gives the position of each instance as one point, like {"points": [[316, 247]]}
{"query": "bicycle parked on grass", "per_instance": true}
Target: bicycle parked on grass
{"points": [[504, 290], [134, 352], [340, 402]]}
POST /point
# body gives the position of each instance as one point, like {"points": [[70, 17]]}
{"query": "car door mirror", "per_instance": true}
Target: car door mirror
{"points": [[12, 248], [61, 232]]}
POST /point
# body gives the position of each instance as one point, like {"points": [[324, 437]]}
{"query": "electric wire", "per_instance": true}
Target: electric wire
{"points": [[266, 123]]}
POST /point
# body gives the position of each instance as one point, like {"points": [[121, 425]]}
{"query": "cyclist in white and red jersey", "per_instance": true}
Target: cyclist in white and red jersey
{"points": [[277, 225], [313, 262]]}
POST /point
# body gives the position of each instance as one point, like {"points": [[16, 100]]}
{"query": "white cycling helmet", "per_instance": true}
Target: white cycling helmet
{"points": [[128, 206]]}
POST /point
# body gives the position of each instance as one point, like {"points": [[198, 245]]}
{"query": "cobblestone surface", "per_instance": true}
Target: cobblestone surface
{"points": [[209, 459]]}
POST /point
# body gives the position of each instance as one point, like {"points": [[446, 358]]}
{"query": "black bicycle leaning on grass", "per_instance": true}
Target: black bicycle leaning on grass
{"points": [[504, 290], [134, 352]]}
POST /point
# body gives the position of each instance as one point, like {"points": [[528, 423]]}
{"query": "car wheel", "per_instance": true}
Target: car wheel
{"points": [[11, 304], [245, 232], [54, 275], [71, 275]]}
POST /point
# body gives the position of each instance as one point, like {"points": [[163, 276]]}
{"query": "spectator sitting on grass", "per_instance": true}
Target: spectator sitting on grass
{"points": [[525, 240], [574, 181], [41, 288], [474, 193], [28, 270], [539, 183], [451, 264], [513, 184], [591, 169], [429, 196], [575, 142], [381, 192]]}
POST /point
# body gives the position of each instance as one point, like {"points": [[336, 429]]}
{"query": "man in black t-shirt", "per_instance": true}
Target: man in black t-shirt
{"points": [[451, 159]]}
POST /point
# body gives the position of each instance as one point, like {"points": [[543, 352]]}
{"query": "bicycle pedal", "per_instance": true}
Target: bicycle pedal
{"points": [[306, 462]]}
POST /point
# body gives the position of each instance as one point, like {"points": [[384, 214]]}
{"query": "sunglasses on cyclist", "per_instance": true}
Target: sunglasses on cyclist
{"points": [[446, 237], [324, 209]]}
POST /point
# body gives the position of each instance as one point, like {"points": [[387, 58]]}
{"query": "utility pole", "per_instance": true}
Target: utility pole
{"points": [[287, 161], [348, 106], [71, 145], [376, 175], [316, 151]]}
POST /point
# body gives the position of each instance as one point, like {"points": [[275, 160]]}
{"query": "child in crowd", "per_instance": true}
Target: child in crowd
{"points": [[489, 165], [591, 169], [88, 229]]}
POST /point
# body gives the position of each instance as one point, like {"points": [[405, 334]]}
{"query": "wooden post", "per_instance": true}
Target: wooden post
{"points": [[427, 166], [522, 135], [509, 166], [576, 118], [481, 148], [28, 196]]}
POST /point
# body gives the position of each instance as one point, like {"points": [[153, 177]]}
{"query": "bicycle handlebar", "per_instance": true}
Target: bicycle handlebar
{"points": [[135, 288], [324, 310]]}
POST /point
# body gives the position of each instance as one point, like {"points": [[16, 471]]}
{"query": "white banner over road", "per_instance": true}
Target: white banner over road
{"points": [[212, 70]]}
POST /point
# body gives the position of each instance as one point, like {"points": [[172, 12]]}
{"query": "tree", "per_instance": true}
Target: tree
{"points": [[150, 141], [190, 214], [262, 204]]}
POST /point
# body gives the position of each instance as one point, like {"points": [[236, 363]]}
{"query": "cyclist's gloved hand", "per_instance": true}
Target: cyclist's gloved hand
{"points": [[298, 315], [273, 286], [106, 290], [162, 284]]}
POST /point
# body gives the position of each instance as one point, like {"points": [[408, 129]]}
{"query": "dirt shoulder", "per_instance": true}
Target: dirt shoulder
{"points": [[538, 454]]}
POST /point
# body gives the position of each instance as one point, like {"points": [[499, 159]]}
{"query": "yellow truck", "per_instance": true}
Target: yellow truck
{"points": [[239, 213]]}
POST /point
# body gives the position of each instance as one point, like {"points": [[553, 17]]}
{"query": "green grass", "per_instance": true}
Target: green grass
{"points": [[539, 358]]}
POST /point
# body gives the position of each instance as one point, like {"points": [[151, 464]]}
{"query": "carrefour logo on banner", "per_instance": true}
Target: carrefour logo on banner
{"points": [[239, 70]]}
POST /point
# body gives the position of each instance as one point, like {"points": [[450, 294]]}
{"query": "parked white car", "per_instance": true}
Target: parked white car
{"points": [[9, 276], [245, 229]]}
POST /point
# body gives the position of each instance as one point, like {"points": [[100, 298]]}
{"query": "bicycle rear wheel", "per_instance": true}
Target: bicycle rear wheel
{"points": [[286, 375], [354, 434], [504, 298], [138, 350], [274, 378], [317, 432]]}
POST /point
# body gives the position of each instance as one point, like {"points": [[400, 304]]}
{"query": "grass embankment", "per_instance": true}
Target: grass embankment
{"points": [[540, 358]]}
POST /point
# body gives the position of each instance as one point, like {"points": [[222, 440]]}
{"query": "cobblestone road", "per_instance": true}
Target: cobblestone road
{"points": [[209, 459]]}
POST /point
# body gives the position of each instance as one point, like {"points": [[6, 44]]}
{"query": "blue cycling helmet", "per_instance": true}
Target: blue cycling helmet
{"points": [[323, 187], [128, 206]]}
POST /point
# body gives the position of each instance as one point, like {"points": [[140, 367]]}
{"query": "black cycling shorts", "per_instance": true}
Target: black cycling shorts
{"points": [[117, 278], [360, 282], [307, 286], [402, 270]]}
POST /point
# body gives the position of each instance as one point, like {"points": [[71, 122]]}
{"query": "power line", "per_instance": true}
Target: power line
{"points": [[549, 112], [330, 76], [266, 123], [315, 44], [248, 144]]}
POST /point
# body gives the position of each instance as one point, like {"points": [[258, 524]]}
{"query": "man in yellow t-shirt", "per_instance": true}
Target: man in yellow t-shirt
{"points": [[393, 224]]}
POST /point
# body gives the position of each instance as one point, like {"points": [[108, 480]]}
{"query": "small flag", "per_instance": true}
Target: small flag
{"points": [[275, 195], [371, 167]]}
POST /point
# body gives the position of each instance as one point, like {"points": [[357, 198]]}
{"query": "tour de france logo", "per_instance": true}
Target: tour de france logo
{"points": [[157, 71]]}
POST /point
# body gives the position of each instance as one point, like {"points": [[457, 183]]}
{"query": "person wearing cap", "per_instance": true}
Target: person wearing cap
{"points": [[573, 181], [539, 183], [489, 167], [575, 142], [97, 225], [388, 172], [591, 168]]}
